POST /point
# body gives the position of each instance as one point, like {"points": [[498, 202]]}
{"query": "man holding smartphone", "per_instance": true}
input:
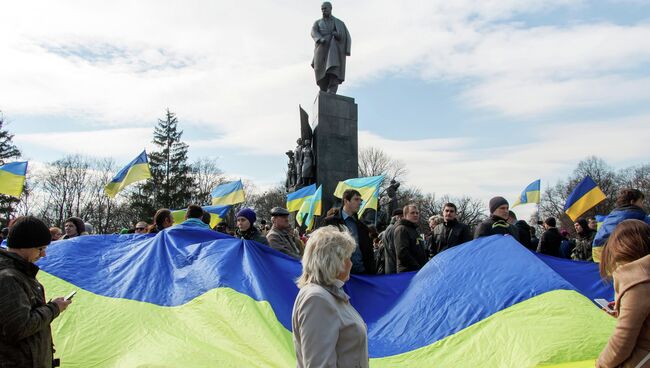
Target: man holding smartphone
{"points": [[25, 316]]}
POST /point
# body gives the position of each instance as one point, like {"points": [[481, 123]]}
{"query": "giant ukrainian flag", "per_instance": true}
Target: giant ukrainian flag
{"points": [[228, 193], [12, 178], [191, 297], [586, 195], [530, 194], [368, 187], [136, 170]]}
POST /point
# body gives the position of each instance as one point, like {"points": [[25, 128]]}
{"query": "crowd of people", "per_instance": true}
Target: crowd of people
{"points": [[326, 328]]}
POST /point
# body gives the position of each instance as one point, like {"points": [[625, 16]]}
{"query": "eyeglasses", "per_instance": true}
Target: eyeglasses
{"points": [[139, 228]]}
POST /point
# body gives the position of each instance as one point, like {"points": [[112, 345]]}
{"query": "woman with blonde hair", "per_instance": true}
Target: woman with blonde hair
{"points": [[626, 259], [327, 330]]}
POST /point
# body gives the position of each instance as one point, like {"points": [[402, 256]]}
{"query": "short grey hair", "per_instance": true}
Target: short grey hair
{"points": [[325, 255], [436, 218]]}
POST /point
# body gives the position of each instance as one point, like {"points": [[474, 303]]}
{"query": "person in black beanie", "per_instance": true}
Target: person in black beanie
{"points": [[498, 221], [25, 315]]}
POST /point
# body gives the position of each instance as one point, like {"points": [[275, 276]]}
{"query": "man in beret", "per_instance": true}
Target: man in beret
{"points": [[25, 316], [497, 223], [280, 236]]}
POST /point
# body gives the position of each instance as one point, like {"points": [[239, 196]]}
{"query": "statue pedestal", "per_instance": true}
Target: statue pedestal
{"points": [[336, 147]]}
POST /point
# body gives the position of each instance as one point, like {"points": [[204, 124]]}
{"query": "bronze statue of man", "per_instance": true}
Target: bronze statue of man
{"points": [[332, 46]]}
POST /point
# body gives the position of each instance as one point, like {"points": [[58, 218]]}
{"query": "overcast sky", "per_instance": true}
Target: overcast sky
{"points": [[475, 97]]}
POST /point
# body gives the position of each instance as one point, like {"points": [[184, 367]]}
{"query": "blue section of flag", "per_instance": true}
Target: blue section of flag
{"points": [[16, 168], [222, 211], [302, 193]]}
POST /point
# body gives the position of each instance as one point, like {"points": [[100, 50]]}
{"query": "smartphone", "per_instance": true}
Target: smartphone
{"points": [[604, 304], [69, 296]]}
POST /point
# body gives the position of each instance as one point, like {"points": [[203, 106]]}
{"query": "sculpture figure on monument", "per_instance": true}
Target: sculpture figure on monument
{"points": [[291, 172], [307, 164], [297, 158], [391, 192], [333, 44]]}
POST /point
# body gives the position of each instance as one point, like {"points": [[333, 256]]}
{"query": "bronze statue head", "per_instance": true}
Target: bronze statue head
{"points": [[326, 8]]}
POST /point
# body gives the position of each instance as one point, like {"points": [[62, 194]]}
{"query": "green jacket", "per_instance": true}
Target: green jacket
{"points": [[25, 317]]}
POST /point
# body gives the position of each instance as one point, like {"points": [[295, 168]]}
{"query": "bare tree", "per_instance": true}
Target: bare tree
{"points": [[610, 182], [374, 161], [207, 175], [63, 185], [74, 186], [263, 203], [637, 177]]}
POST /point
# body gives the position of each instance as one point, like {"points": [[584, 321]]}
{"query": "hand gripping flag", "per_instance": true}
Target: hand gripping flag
{"points": [[297, 198], [368, 187], [136, 170], [312, 206], [585, 195], [530, 194], [228, 193], [217, 214], [12, 178]]}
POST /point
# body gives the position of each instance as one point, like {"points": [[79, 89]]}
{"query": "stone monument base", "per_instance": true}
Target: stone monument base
{"points": [[334, 123]]}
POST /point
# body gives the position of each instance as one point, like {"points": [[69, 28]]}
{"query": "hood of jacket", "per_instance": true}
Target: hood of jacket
{"points": [[631, 274]]}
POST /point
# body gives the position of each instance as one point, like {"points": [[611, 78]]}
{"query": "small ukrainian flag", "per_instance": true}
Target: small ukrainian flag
{"points": [[296, 199], [530, 194], [12, 178], [136, 170], [586, 195], [228, 193], [312, 206], [368, 187]]}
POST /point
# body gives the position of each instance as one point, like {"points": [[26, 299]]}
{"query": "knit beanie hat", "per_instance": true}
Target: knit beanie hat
{"points": [[28, 232], [497, 202], [248, 214], [78, 223]]}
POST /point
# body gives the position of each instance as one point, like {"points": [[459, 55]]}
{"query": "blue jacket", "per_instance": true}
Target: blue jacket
{"points": [[614, 218]]}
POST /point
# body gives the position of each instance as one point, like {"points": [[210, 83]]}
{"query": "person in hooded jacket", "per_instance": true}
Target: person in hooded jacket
{"points": [[246, 229], [629, 205], [626, 259], [584, 238]]}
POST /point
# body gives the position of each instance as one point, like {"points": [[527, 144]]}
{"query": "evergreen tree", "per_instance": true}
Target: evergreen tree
{"points": [[8, 152], [171, 184]]}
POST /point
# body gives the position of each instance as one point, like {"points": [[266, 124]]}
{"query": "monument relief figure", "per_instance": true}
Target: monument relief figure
{"points": [[297, 158], [307, 163], [291, 171], [391, 192], [332, 46]]}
